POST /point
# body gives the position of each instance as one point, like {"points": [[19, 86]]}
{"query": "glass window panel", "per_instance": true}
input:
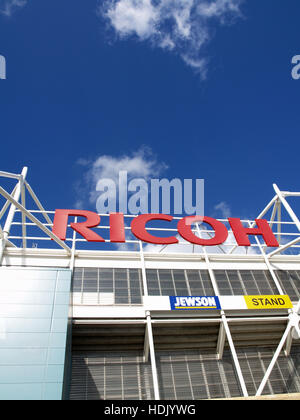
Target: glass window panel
{"points": [[121, 284], [165, 275], [105, 274], [168, 291], [121, 300], [121, 274], [294, 280], [285, 283], [181, 287], [153, 292], [206, 281], [249, 282], [136, 300], [235, 282]]}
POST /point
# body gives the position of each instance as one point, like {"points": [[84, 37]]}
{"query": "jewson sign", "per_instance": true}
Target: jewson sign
{"points": [[215, 303], [194, 302]]}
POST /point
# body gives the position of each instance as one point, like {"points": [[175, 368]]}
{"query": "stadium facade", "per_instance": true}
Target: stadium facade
{"points": [[139, 321]]}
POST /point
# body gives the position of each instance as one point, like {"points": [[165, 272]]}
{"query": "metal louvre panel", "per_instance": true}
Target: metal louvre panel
{"points": [[290, 283], [183, 336], [77, 280], [108, 337], [257, 333], [199, 375], [110, 376], [285, 376], [194, 375], [189, 374]]}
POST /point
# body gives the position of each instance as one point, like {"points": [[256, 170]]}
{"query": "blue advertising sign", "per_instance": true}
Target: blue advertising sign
{"points": [[194, 303]]}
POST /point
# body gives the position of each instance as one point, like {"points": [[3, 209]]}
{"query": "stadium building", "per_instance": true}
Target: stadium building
{"points": [[83, 320]]}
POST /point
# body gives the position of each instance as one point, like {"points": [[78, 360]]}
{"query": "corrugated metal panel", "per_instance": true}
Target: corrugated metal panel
{"points": [[285, 376], [108, 337], [185, 336], [103, 366], [199, 375], [257, 333], [196, 375], [110, 376]]}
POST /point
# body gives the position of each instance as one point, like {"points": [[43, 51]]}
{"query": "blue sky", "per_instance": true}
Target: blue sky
{"points": [[81, 85]]}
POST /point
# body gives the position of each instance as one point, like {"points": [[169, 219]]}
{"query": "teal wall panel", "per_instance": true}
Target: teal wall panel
{"points": [[34, 312]]}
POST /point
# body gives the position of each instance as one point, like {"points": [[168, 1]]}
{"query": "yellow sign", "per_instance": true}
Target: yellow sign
{"points": [[268, 302]]}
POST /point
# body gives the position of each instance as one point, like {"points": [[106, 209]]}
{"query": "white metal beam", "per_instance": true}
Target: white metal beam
{"points": [[38, 203], [284, 247], [146, 345], [287, 206], [9, 175], [23, 201], [221, 341], [34, 220], [265, 210], [11, 213], [227, 329], [152, 357], [274, 360]]}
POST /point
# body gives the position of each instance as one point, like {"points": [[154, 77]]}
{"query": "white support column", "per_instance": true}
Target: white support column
{"points": [[38, 203], [270, 268], [265, 210], [284, 247], [72, 259], [152, 356], [149, 342], [146, 345], [287, 206], [221, 341], [275, 357], [7, 203], [279, 224], [34, 220], [235, 357], [280, 291], [227, 331], [12, 210], [144, 277], [24, 230]]}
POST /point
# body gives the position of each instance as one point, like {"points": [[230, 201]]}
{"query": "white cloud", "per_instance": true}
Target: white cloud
{"points": [[140, 164], [182, 26], [133, 16], [224, 209], [8, 7]]}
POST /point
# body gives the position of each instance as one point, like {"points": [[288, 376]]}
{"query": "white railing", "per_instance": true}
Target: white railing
{"points": [[27, 228]]}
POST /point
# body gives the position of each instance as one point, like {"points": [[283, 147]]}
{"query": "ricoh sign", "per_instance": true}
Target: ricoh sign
{"points": [[139, 228]]}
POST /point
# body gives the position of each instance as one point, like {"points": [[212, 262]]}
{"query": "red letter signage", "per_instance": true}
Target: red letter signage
{"points": [[241, 233], [117, 230], [138, 227], [185, 230], [60, 224]]}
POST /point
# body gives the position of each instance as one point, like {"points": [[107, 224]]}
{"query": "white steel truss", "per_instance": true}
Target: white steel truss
{"points": [[15, 203]]}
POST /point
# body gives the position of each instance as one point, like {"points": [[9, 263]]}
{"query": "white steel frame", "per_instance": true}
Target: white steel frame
{"points": [[12, 205]]}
